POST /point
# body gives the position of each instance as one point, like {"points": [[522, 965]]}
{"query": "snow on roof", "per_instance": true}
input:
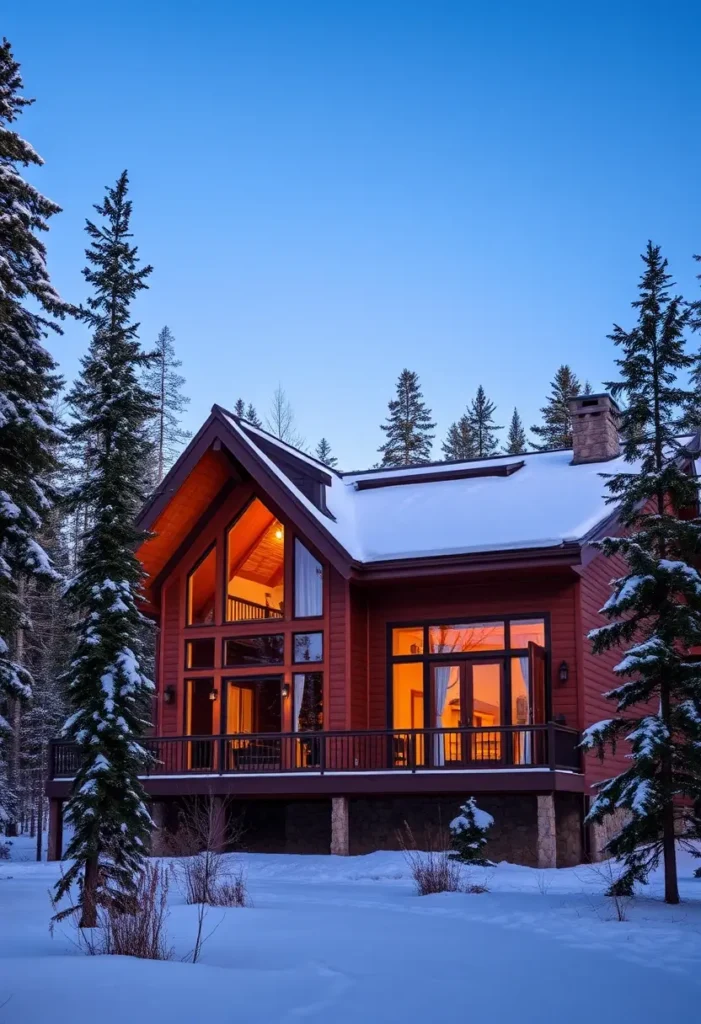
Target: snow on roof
{"points": [[546, 503]]}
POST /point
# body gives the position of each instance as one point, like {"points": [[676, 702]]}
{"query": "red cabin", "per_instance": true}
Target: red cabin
{"points": [[340, 653]]}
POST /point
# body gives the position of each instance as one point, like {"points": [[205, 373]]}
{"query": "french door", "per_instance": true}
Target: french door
{"points": [[465, 694]]}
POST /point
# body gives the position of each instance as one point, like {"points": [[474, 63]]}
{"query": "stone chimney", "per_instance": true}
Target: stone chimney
{"points": [[594, 428]]}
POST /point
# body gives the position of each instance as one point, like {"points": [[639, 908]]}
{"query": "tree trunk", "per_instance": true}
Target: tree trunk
{"points": [[88, 918], [40, 820], [671, 887]]}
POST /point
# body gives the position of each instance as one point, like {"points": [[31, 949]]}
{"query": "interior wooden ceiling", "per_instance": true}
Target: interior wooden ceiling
{"points": [[180, 516], [255, 550]]}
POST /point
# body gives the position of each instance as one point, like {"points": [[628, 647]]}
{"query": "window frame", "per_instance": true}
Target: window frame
{"points": [[427, 658], [225, 567], [324, 578], [317, 672], [307, 632], [250, 636], [195, 640], [203, 557]]}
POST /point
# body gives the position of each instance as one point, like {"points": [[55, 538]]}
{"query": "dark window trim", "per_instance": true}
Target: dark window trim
{"points": [[324, 583], [309, 671], [225, 575], [306, 632], [193, 640], [252, 636], [427, 658], [186, 694], [198, 563], [278, 677]]}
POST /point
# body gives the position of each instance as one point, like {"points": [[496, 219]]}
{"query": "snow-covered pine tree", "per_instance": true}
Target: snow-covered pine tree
{"points": [[556, 428], [516, 441], [481, 416], [107, 689], [162, 380], [459, 444], [323, 453], [409, 425], [28, 383], [468, 834], [656, 606]]}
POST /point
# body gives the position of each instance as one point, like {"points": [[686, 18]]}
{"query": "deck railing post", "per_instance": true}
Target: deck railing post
{"points": [[222, 754], [552, 760], [52, 759]]}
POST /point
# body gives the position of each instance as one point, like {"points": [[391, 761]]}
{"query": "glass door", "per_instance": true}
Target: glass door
{"points": [[485, 692], [200, 703], [254, 705], [447, 712]]}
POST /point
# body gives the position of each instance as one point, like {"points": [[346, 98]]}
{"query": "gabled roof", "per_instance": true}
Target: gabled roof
{"points": [[537, 502]]}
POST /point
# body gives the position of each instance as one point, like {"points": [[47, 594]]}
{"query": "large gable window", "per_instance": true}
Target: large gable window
{"points": [[201, 590], [255, 552], [309, 583]]}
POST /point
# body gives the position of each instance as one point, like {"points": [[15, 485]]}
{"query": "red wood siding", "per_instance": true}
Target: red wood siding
{"points": [[598, 669], [359, 659], [171, 714], [510, 596], [339, 651]]}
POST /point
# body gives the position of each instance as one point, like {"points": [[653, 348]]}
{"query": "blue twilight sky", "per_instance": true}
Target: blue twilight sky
{"points": [[330, 191]]}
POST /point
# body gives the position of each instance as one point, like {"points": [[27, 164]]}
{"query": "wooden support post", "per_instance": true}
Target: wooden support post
{"points": [[547, 836], [54, 849], [340, 826]]}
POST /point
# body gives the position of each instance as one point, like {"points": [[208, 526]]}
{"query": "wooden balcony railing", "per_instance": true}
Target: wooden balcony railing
{"points": [[548, 746], [239, 610]]}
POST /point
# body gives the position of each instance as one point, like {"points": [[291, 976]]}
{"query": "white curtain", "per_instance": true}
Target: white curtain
{"points": [[299, 680], [441, 682], [309, 582], [525, 739]]}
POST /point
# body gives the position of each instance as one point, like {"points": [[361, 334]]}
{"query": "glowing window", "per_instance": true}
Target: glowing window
{"points": [[464, 639], [201, 590], [408, 640], [525, 631], [255, 553]]}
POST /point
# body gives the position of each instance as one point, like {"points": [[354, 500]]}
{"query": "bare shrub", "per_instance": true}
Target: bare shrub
{"points": [[609, 872], [203, 872], [5, 849], [433, 870], [476, 888], [231, 891], [141, 932]]}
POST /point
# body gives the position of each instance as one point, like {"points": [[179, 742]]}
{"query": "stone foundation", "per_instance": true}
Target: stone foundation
{"points": [[528, 829]]}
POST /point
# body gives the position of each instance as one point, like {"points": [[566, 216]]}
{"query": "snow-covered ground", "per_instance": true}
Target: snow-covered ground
{"points": [[345, 940]]}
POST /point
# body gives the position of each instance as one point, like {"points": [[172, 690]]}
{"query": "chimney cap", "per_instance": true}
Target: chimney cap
{"points": [[596, 399]]}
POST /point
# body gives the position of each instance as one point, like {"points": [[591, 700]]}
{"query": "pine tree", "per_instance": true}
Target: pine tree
{"points": [[481, 417], [253, 417], [459, 444], [162, 380], [556, 429], [323, 453], [28, 383], [247, 413], [107, 689], [408, 425], [656, 604], [691, 413], [516, 442], [468, 834]]}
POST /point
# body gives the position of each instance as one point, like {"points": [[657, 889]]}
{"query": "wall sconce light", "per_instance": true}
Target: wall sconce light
{"points": [[213, 694], [560, 720], [285, 689], [169, 695], [564, 673]]}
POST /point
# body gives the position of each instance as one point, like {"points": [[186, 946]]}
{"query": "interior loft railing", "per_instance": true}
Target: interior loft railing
{"points": [[548, 746], [239, 609]]}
